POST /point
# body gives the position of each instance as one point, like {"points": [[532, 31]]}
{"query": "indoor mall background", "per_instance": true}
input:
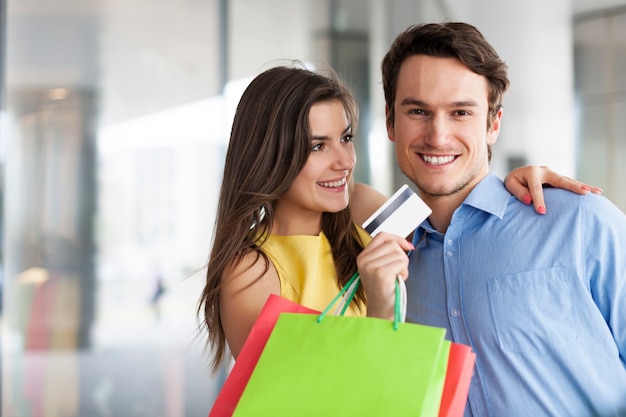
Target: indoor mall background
{"points": [[114, 122]]}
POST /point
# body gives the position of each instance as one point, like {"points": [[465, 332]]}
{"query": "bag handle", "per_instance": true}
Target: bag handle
{"points": [[349, 290]]}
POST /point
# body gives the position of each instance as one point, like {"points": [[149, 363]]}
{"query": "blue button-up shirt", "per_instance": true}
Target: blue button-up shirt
{"points": [[541, 299]]}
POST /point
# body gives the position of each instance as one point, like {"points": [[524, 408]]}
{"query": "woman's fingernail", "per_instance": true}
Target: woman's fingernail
{"points": [[527, 199], [541, 210]]}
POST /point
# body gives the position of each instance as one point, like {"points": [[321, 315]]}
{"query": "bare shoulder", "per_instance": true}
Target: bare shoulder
{"points": [[365, 200], [245, 288], [251, 269]]}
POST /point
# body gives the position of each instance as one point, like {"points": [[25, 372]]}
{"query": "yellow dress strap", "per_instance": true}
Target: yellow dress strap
{"points": [[306, 269]]}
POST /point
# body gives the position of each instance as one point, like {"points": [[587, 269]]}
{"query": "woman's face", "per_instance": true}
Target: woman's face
{"points": [[322, 185]]}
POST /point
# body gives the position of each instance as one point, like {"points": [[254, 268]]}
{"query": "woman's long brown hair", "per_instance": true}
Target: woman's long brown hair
{"points": [[269, 144]]}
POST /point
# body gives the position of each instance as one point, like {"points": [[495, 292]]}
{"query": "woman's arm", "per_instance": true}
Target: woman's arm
{"points": [[245, 288], [526, 183]]}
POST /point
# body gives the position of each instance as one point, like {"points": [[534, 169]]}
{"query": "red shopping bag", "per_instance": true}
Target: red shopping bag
{"points": [[239, 375], [461, 362]]}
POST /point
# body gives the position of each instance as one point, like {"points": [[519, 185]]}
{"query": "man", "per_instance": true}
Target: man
{"points": [[540, 299]]}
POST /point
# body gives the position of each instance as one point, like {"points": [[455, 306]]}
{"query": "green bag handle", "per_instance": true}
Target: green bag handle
{"points": [[349, 290]]}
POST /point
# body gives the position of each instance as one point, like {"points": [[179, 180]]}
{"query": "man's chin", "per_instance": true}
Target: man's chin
{"points": [[440, 190]]}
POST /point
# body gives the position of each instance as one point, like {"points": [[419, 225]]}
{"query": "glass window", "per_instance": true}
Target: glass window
{"points": [[112, 146], [600, 51]]}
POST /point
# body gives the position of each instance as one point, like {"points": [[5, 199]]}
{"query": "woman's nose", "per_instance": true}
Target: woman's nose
{"points": [[345, 158]]}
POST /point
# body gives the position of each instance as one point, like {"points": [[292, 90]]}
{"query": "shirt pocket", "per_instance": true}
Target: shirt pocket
{"points": [[533, 311]]}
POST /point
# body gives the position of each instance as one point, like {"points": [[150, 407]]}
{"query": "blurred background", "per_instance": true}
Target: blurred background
{"points": [[114, 123]]}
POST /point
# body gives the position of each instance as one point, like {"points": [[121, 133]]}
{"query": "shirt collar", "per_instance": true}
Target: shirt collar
{"points": [[489, 195]]}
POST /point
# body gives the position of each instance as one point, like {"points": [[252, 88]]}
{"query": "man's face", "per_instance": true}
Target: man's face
{"points": [[440, 126]]}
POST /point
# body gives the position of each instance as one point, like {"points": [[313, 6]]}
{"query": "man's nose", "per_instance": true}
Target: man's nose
{"points": [[438, 132]]}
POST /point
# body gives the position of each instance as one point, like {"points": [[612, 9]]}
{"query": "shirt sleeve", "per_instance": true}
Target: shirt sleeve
{"points": [[604, 248]]}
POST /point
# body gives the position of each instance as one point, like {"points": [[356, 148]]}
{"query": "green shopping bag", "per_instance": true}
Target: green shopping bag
{"points": [[323, 365]]}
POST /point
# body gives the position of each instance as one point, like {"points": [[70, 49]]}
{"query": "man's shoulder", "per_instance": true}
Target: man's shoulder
{"points": [[558, 195], [593, 205], [565, 203]]}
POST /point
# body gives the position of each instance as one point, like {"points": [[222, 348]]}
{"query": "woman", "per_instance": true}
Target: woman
{"points": [[288, 213]]}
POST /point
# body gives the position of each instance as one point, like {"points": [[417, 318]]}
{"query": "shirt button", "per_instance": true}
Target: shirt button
{"points": [[455, 312], [450, 242], [449, 253]]}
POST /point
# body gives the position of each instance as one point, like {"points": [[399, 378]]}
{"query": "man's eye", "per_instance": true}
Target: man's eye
{"points": [[417, 111], [462, 113]]}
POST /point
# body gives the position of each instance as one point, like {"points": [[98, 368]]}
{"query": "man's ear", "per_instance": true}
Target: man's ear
{"points": [[494, 129], [391, 134]]}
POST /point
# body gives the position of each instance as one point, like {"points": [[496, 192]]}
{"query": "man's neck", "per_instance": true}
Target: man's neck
{"points": [[443, 208]]}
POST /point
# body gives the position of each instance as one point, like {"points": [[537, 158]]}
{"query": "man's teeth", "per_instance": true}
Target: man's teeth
{"points": [[438, 160], [333, 184]]}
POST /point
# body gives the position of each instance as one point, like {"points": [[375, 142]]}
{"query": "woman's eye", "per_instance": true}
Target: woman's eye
{"points": [[348, 138], [317, 147]]}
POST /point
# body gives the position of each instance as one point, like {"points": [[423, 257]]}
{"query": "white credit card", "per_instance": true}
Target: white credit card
{"points": [[400, 215]]}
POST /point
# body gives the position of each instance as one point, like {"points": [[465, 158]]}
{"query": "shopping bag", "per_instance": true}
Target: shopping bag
{"points": [[324, 365], [233, 387], [461, 362]]}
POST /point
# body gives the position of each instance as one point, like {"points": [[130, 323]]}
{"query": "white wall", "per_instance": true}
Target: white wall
{"points": [[535, 38]]}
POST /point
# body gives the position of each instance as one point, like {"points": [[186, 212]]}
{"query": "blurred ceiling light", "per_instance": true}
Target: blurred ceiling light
{"points": [[35, 276], [57, 94]]}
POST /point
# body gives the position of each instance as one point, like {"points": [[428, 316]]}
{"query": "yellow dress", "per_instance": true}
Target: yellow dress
{"points": [[306, 269]]}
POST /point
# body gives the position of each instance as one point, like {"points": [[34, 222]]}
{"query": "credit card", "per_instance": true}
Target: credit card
{"points": [[400, 215]]}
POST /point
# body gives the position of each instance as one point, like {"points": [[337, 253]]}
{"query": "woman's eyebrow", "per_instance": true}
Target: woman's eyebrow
{"points": [[348, 129]]}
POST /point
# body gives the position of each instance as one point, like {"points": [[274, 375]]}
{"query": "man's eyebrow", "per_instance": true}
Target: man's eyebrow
{"points": [[464, 103], [415, 102]]}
